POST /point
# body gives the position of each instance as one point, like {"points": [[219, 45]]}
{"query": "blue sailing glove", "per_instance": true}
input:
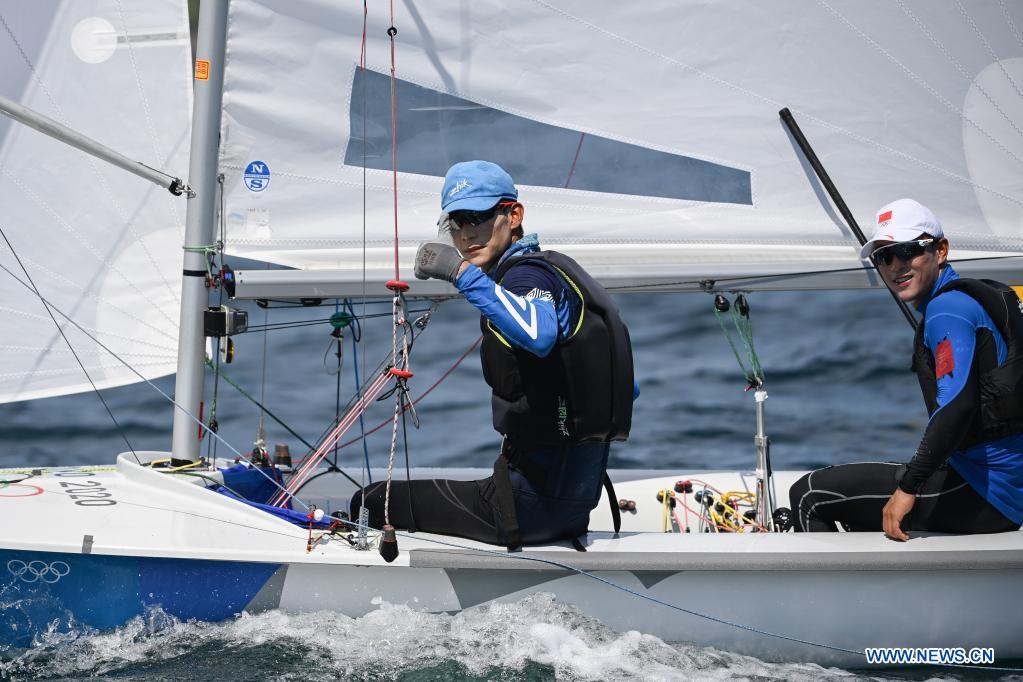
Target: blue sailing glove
{"points": [[437, 260]]}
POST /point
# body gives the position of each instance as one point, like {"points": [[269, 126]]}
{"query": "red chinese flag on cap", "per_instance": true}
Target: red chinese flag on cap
{"points": [[887, 215], [944, 359]]}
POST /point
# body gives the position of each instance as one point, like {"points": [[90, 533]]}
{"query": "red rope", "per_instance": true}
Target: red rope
{"points": [[392, 31], [425, 393], [475, 344], [307, 466]]}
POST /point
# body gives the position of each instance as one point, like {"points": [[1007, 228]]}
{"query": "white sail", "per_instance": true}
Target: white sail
{"points": [[103, 246], [645, 139]]}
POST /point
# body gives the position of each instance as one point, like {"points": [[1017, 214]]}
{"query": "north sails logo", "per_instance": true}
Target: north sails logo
{"points": [[459, 186]]}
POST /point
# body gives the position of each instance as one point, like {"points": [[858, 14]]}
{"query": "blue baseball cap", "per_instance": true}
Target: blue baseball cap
{"points": [[476, 186]]}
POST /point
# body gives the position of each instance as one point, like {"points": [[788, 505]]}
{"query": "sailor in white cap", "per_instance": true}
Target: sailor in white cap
{"points": [[967, 473]]}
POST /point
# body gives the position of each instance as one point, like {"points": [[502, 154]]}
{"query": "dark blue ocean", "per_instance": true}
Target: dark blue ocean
{"points": [[837, 370], [836, 363]]}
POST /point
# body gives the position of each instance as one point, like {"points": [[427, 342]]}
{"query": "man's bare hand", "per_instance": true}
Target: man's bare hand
{"points": [[894, 511]]}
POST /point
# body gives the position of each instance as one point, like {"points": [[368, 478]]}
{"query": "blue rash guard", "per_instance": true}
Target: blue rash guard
{"points": [[957, 330]]}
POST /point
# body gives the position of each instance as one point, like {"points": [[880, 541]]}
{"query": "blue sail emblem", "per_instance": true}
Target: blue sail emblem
{"points": [[257, 176], [436, 130]]}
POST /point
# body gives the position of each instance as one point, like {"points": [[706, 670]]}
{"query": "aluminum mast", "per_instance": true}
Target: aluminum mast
{"points": [[199, 224]]}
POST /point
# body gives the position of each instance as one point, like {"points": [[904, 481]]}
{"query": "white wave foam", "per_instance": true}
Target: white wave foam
{"points": [[497, 639]]}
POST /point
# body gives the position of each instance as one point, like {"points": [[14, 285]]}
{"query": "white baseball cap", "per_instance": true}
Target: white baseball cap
{"points": [[901, 221]]}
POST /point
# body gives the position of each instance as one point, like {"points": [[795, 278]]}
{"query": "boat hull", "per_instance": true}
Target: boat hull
{"points": [[145, 541], [41, 591], [825, 615]]}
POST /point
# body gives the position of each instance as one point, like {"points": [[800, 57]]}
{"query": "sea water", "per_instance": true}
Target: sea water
{"points": [[837, 370]]}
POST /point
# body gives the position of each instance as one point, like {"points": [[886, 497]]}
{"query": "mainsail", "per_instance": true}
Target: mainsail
{"points": [[102, 246], [645, 138]]}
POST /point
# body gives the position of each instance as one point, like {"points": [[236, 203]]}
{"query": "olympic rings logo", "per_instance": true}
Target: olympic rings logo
{"points": [[33, 490], [38, 571]]}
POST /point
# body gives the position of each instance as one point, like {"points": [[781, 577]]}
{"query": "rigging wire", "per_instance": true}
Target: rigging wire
{"points": [[408, 471], [213, 425], [711, 284], [338, 338], [401, 373], [308, 464], [71, 348], [339, 321], [260, 431], [366, 473], [318, 321], [368, 395], [362, 72], [141, 376], [422, 395], [381, 367], [281, 422], [392, 32]]}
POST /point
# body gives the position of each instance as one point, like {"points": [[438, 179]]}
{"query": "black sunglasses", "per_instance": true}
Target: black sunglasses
{"points": [[904, 251], [465, 219]]}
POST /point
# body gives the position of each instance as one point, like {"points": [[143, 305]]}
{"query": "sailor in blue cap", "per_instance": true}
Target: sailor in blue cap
{"points": [[557, 357]]}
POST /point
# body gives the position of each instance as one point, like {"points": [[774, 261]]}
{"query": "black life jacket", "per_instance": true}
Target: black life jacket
{"points": [[582, 391], [1000, 412]]}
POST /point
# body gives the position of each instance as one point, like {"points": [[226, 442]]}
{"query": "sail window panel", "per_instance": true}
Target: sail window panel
{"points": [[436, 130]]}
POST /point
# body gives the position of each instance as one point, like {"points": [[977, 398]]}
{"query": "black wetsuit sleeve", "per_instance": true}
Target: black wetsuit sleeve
{"points": [[943, 435], [950, 424]]}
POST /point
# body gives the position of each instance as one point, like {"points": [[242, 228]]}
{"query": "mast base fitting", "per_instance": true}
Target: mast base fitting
{"points": [[400, 373], [397, 285], [388, 544]]}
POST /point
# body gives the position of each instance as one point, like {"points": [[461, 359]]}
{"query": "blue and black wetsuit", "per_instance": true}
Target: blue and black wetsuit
{"points": [[967, 473], [543, 319]]}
